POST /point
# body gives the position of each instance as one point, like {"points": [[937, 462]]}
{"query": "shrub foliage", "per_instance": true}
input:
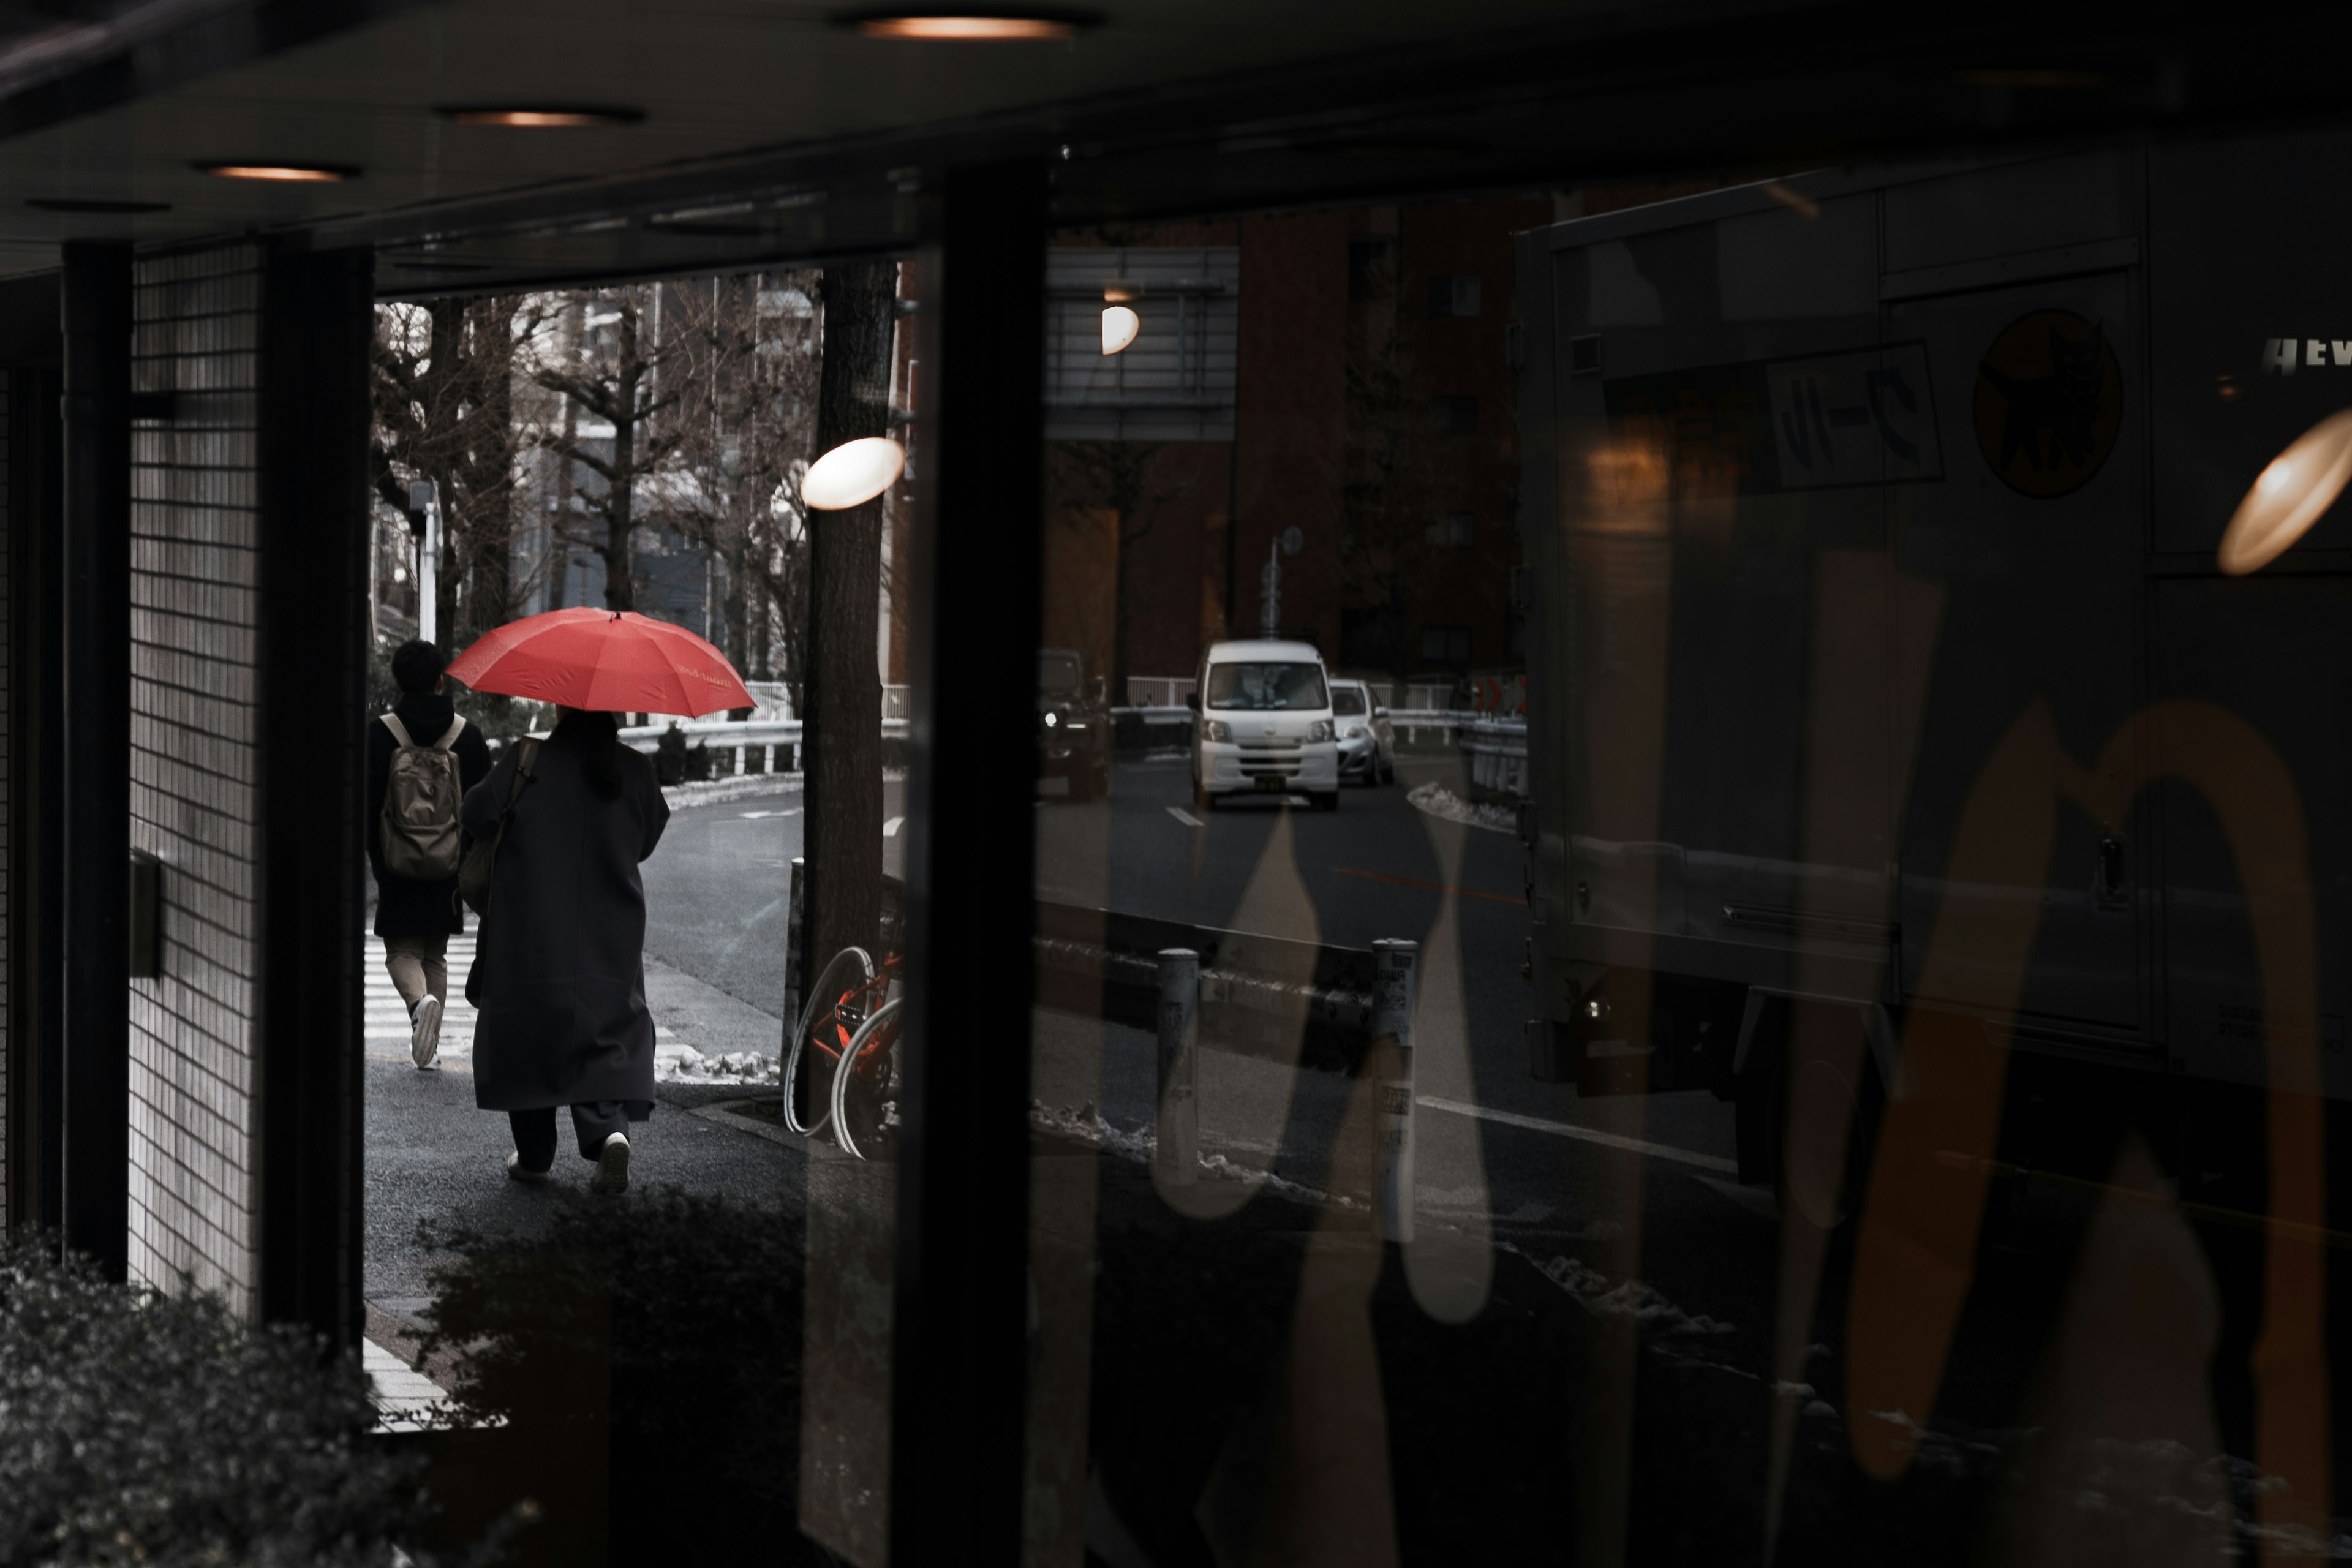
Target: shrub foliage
{"points": [[142, 1427]]}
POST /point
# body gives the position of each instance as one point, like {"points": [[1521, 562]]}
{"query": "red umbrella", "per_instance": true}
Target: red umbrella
{"points": [[608, 661]]}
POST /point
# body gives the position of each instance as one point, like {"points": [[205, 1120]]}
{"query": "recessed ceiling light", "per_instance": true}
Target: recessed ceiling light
{"points": [[972, 27], [93, 205], [543, 116], [292, 173]]}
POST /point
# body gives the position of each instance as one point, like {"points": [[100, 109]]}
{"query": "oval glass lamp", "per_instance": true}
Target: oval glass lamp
{"points": [[2290, 495], [853, 473], [1121, 323]]}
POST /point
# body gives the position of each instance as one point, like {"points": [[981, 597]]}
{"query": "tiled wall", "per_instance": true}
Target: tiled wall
{"points": [[194, 1183]]}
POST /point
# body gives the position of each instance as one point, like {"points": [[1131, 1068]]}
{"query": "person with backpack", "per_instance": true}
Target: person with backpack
{"points": [[421, 760]]}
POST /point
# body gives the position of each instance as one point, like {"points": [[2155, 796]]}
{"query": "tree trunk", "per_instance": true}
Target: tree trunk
{"points": [[620, 589], [491, 483], [843, 771]]}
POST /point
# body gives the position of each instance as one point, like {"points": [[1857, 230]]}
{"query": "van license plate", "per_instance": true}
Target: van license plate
{"points": [[1271, 784]]}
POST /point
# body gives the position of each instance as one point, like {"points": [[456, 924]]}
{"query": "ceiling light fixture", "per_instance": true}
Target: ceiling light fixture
{"points": [[853, 473], [972, 26], [544, 116], [1120, 325], [286, 173], [2290, 495], [93, 205]]}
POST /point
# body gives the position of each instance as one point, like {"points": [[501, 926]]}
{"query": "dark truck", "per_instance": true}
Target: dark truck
{"points": [[1074, 723], [1886, 694]]}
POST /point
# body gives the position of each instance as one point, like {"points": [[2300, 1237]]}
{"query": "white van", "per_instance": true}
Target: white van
{"points": [[1264, 724]]}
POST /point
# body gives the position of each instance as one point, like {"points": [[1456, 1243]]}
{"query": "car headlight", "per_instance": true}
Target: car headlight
{"points": [[1319, 731], [1217, 729], [1052, 717], [1354, 732]]}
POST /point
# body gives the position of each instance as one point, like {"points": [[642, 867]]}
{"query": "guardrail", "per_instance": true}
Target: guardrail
{"points": [[1497, 750], [742, 737]]}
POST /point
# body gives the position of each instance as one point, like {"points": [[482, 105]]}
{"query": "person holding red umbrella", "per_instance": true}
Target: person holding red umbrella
{"points": [[558, 980]]}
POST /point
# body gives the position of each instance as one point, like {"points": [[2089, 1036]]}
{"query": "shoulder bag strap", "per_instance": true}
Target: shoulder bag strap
{"points": [[399, 731], [450, 736]]}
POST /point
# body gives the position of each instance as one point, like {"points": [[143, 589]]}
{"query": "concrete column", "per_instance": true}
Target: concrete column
{"points": [[96, 305]]}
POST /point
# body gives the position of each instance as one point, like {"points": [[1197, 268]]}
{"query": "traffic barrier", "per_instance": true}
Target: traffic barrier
{"points": [[1396, 981], [1176, 1150]]}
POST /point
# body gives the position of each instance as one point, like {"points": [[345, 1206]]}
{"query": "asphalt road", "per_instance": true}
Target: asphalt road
{"points": [[1518, 1169]]}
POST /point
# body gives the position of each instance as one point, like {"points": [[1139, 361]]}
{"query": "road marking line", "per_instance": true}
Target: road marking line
{"points": [[1430, 887], [1184, 816], [891, 828], [1585, 1135]]}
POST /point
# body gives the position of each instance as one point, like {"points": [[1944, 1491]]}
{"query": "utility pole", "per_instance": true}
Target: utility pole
{"points": [[424, 524], [1269, 583]]}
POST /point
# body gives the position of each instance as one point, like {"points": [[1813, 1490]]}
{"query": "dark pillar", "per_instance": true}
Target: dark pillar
{"points": [[32, 349], [317, 326], [97, 838], [959, 1364]]}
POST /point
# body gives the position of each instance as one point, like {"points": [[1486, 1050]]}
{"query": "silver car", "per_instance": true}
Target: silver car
{"points": [[1367, 740]]}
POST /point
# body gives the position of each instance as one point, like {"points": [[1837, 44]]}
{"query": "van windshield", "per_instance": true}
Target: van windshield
{"points": [[1348, 701], [1266, 687]]}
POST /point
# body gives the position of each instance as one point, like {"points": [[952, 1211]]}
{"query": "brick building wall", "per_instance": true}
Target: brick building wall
{"points": [[194, 1183]]}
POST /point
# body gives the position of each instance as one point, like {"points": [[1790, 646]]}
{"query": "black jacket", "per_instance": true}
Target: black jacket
{"points": [[558, 977], [405, 908]]}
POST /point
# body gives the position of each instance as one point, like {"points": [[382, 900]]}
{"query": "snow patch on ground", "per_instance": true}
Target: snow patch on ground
{"points": [[734, 1066], [734, 786], [1438, 801], [1087, 1125], [1629, 1299]]}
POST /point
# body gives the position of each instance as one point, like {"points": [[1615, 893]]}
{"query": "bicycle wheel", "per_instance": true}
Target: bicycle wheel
{"points": [[860, 1128], [823, 990]]}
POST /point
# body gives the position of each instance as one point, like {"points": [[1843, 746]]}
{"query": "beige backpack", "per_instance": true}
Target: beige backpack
{"points": [[420, 806]]}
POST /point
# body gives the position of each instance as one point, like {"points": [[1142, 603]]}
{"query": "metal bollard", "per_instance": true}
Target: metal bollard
{"points": [[1395, 983], [769, 764], [738, 760], [1176, 1155]]}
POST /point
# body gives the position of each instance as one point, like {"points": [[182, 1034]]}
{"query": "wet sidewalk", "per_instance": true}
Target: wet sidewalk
{"points": [[433, 1158]]}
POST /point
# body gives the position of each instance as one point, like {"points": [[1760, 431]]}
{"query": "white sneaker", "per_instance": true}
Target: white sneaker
{"points": [[612, 1167], [515, 1172], [425, 1032]]}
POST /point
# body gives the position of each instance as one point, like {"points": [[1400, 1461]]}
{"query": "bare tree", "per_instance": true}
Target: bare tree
{"points": [[1122, 478], [612, 376], [746, 419], [444, 382]]}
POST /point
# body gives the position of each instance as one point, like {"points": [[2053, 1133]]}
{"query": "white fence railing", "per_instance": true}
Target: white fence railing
{"points": [[1151, 692]]}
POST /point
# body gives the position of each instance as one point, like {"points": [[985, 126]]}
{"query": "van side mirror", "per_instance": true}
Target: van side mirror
{"points": [[1192, 701]]}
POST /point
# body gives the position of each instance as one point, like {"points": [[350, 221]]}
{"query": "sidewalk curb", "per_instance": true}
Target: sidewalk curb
{"points": [[726, 1118]]}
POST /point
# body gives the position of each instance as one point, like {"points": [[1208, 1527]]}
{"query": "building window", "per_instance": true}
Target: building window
{"points": [[1457, 529], [1454, 296], [1453, 416], [1445, 645]]}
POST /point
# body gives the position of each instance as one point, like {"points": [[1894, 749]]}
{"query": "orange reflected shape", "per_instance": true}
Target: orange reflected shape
{"points": [[1915, 1256], [2122, 1407]]}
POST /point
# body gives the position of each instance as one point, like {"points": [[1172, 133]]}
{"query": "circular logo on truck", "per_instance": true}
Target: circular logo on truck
{"points": [[2049, 403]]}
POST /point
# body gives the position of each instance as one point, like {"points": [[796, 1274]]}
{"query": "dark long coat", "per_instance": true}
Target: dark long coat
{"points": [[405, 908], [558, 971]]}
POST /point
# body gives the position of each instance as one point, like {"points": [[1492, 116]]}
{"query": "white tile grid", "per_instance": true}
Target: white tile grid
{"points": [[385, 1023]]}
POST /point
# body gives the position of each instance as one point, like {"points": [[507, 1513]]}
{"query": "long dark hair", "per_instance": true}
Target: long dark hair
{"points": [[598, 736]]}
